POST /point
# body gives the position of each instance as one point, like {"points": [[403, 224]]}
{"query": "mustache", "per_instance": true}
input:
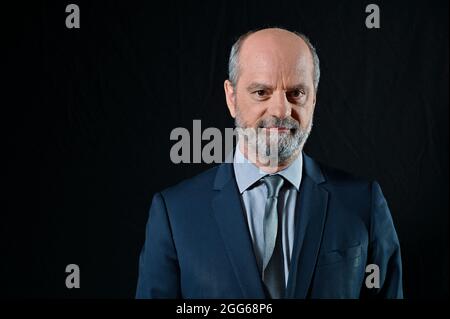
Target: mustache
{"points": [[288, 123]]}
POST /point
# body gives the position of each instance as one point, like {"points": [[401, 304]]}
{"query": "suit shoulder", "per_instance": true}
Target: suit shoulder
{"points": [[338, 176], [193, 185]]}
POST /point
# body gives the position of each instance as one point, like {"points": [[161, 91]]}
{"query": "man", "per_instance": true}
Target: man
{"points": [[274, 223]]}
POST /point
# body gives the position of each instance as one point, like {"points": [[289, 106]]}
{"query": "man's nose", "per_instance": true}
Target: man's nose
{"points": [[280, 106]]}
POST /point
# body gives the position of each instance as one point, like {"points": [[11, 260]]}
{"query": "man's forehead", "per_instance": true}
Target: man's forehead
{"points": [[272, 78]]}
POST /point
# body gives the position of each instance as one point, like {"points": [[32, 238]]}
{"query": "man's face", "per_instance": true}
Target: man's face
{"points": [[274, 94]]}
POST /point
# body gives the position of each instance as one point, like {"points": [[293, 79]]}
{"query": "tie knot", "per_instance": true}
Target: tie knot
{"points": [[273, 184]]}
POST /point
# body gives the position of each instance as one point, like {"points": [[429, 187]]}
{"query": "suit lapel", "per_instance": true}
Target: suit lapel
{"points": [[310, 216], [230, 218]]}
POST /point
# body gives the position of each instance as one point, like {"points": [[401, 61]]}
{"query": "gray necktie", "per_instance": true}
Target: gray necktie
{"points": [[273, 269]]}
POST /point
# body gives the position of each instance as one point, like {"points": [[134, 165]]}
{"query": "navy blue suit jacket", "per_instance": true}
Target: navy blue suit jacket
{"points": [[198, 244]]}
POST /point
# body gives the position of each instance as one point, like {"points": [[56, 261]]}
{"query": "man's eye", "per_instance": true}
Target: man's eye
{"points": [[296, 93], [260, 92]]}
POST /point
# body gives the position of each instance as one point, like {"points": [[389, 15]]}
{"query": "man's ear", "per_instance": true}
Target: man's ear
{"points": [[230, 96]]}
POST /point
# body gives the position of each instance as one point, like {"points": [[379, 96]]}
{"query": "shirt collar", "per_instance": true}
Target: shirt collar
{"points": [[247, 173]]}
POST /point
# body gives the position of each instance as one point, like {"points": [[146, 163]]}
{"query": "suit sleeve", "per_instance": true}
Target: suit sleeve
{"points": [[158, 264], [384, 249]]}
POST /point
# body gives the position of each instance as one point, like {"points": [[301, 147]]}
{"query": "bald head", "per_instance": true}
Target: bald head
{"points": [[272, 88], [273, 45]]}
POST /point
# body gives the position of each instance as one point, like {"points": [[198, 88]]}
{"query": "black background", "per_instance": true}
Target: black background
{"points": [[89, 148]]}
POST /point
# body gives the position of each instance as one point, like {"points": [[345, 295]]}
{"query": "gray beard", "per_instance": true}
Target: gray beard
{"points": [[279, 148]]}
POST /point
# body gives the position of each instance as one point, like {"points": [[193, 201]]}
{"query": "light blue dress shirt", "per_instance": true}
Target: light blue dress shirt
{"points": [[254, 194]]}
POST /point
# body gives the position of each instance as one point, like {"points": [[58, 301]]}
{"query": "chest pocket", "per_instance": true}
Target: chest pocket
{"points": [[349, 254]]}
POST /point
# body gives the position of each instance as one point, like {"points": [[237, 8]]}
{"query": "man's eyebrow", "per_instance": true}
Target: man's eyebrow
{"points": [[296, 87], [254, 86]]}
